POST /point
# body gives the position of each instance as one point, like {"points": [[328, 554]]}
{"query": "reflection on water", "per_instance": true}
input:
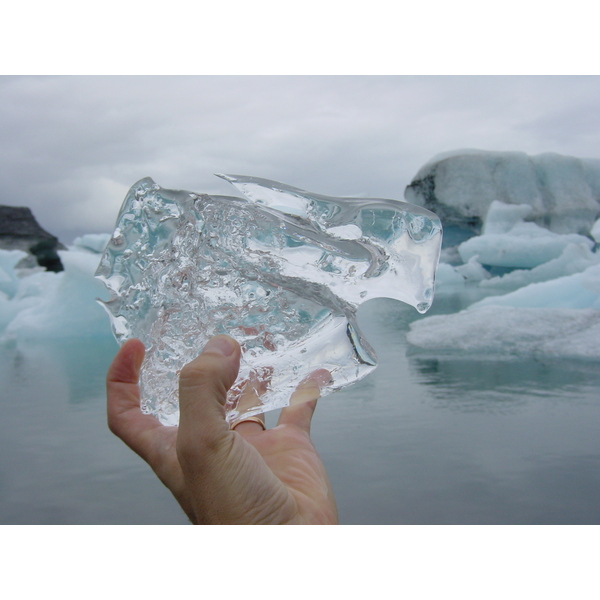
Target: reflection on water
{"points": [[77, 366], [464, 385], [421, 440], [59, 464], [455, 441]]}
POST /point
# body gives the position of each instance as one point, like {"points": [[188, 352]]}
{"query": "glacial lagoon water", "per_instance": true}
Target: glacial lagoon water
{"points": [[421, 440]]}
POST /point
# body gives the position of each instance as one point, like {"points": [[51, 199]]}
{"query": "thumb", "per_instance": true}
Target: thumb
{"points": [[203, 387]]}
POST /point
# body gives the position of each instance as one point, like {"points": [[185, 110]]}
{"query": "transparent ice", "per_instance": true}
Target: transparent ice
{"points": [[282, 270]]}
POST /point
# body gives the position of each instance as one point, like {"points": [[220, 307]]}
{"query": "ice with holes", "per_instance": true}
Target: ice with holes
{"points": [[281, 270]]}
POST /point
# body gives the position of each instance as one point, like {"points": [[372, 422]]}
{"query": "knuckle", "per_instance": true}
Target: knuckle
{"points": [[203, 368], [203, 378]]}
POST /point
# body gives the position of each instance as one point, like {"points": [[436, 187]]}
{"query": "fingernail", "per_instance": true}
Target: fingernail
{"points": [[221, 344]]}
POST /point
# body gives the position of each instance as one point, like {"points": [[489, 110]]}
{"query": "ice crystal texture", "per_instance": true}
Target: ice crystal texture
{"points": [[282, 270]]}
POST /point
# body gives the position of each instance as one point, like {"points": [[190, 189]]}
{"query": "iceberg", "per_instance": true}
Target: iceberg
{"points": [[508, 241], [531, 253], [550, 311], [575, 258], [491, 332], [580, 290], [92, 242], [471, 272], [538, 231], [595, 232], [281, 270], [48, 305], [459, 186], [9, 280]]}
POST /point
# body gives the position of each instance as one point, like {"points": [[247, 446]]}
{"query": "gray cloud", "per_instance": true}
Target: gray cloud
{"points": [[71, 146]]}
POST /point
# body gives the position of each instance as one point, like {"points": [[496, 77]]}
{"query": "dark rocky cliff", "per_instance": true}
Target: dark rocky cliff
{"points": [[20, 231]]}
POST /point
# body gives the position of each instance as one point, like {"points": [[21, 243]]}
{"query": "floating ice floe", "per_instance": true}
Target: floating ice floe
{"points": [[37, 304], [580, 290], [575, 258], [508, 241], [491, 332]]}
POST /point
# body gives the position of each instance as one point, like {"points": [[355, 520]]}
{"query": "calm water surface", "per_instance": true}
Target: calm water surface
{"points": [[421, 441]]}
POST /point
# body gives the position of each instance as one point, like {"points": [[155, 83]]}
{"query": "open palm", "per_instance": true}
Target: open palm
{"points": [[219, 475]]}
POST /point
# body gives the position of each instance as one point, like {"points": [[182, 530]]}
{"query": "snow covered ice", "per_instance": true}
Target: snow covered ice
{"points": [[282, 270]]}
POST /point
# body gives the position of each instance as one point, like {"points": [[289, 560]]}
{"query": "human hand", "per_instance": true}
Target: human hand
{"points": [[218, 475]]}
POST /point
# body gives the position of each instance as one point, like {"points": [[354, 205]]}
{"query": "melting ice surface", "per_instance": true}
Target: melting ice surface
{"points": [[547, 305], [282, 270]]}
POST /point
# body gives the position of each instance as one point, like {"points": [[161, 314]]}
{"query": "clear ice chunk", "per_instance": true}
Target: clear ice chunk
{"points": [[282, 271]]}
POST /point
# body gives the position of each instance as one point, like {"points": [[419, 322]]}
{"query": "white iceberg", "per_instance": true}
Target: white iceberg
{"points": [[460, 186], [526, 245], [38, 304], [492, 332], [92, 242], [580, 290], [508, 241], [538, 218], [535, 253], [575, 258], [471, 272], [9, 280], [558, 318]]}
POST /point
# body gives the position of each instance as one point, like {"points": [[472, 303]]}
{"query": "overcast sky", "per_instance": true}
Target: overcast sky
{"points": [[71, 146]]}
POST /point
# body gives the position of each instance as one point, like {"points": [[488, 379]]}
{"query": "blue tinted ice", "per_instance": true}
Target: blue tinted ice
{"points": [[282, 270]]}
